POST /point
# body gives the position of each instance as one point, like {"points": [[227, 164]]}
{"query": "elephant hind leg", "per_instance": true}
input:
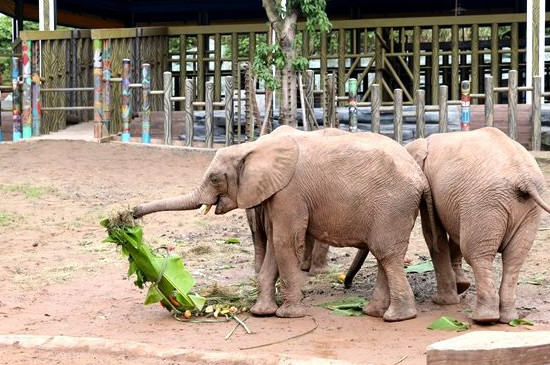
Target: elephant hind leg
{"points": [[513, 257], [318, 258], [462, 282], [380, 300]]}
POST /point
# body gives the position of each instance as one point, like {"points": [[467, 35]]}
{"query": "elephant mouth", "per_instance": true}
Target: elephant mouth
{"points": [[205, 208]]}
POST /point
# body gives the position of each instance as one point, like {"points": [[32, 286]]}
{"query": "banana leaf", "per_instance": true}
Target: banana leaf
{"points": [[450, 324], [170, 282], [352, 306]]}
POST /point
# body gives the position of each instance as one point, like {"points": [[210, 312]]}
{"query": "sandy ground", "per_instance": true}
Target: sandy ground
{"points": [[59, 278]]}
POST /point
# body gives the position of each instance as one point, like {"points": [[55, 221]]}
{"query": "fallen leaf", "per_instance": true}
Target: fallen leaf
{"points": [[420, 268], [450, 324], [518, 322]]}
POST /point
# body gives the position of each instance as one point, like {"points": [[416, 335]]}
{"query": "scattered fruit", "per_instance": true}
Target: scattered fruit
{"points": [[187, 314], [342, 277]]}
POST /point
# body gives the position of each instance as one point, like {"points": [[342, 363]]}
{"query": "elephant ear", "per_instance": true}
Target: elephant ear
{"points": [[418, 149], [266, 169]]}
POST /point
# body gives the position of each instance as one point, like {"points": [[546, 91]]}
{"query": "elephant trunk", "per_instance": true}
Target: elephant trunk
{"points": [[188, 201]]}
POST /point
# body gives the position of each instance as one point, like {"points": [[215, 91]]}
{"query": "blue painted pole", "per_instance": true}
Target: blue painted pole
{"points": [[465, 105]]}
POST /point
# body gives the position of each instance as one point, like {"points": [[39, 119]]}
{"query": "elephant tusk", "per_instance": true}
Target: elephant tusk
{"points": [[204, 209]]}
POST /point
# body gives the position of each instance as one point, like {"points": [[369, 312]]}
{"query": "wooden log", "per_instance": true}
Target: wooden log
{"points": [[443, 106], [126, 108], [188, 110], [536, 114], [209, 111], [352, 105], [489, 114], [494, 347], [419, 102], [106, 55], [146, 103], [416, 57], [26, 104], [167, 83], [495, 57], [512, 104], [398, 115], [98, 102], [229, 110], [16, 99], [375, 108]]}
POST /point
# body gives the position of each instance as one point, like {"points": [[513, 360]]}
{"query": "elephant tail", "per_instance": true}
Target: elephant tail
{"points": [[534, 194], [358, 261], [429, 208]]}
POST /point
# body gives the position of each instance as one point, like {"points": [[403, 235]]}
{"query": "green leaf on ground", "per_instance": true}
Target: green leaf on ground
{"points": [[352, 306], [450, 324], [518, 322], [537, 280], [233, 240], [420, 268]]}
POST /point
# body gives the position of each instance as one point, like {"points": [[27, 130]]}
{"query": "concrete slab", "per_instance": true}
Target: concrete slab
{"points": [[492, 347]]}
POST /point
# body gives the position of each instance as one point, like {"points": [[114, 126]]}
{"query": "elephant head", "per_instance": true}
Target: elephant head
{"points": [[240, 176]]}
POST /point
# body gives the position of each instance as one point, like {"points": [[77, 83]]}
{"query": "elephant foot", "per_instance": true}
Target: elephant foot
{"points": [[446, 299], [291, 311], [400, 313], [316, 270], [506, 315], [374, 309], [306, 265], [486, 314], [264, 308]]}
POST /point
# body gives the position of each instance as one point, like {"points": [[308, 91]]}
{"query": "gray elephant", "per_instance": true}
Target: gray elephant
{"points": [[314, 260], [486, 192], [360, 190]]}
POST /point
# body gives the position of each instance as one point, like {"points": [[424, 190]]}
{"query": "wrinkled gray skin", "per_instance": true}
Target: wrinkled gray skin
{"points": [[314, 260], [371, 181], [486, 192]]}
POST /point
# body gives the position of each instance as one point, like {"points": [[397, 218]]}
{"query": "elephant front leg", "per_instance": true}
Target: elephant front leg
{"points": [[287, 253], [266, 304]]}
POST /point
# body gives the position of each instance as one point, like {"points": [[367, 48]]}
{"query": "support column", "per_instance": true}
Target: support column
{"points": [[36, 107], [17, 20], [26, 119], [106, 86], [126, 100], [16, 99], [98, 103], [146, 103], [47, 14], [535, 42]]}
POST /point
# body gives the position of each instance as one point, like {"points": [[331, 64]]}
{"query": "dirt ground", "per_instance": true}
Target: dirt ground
{"points": [[58, 277]]}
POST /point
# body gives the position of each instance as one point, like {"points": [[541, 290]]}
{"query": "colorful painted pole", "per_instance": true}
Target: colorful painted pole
{"points": [[106, 85], [16, 99], [465, 105], [352, 93], [36, 107], [126, 103], [26, 120], [98, 109], [1, 137], [146, 106]]}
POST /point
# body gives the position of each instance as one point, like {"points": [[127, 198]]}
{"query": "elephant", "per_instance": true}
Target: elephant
{"points": [[314, 259], [359, 190], [486, 191]]}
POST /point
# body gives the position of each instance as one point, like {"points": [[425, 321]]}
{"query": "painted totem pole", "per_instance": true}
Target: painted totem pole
{"points": [[16, 99]]}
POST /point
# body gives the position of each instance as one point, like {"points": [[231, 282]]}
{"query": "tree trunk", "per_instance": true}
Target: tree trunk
{"points": [[286, 34]]}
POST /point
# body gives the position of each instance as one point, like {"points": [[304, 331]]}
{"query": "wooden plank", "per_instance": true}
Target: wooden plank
{"points": [[494, 347], [435, 63], [114, 33], [495, 58], [536, 114], [514, 46], [475, 61], [443, 96], [375, 108], [341, 62], [512, 103], [420, 97], [416, 58], [398, 115], [454, 63], [35, 35]]}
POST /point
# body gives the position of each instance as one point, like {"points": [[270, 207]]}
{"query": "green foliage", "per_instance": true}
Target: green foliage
{"points": [[268, 55], [449, 324], [420, 268], [352, 306], [170, 280], [518, 322], [314, 12]]}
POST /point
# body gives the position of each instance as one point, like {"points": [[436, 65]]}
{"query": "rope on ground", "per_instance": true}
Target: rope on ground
{"points": [[285, 339]]}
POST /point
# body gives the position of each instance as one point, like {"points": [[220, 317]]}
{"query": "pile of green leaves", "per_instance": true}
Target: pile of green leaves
{"points": [[170, 282]]}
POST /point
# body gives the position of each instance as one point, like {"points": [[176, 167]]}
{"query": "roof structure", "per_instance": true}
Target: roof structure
{"points": [[130, 13]]}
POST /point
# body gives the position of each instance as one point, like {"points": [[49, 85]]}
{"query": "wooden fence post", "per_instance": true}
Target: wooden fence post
{"points": [[146, 103], [443, 96], [310, 85], [489, 116], [352, 106], [126, 103], [209, 111], [16, 99], [98, 103], [420, 113], [512, 103], [398, 115], [188, 111], [26, 120], [536, 114], [229, 110], [465, 105], [375, 108], [330, 101], [167, 82]]}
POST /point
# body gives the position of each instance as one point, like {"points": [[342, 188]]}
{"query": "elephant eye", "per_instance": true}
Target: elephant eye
{"points": [[214, 180]]}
